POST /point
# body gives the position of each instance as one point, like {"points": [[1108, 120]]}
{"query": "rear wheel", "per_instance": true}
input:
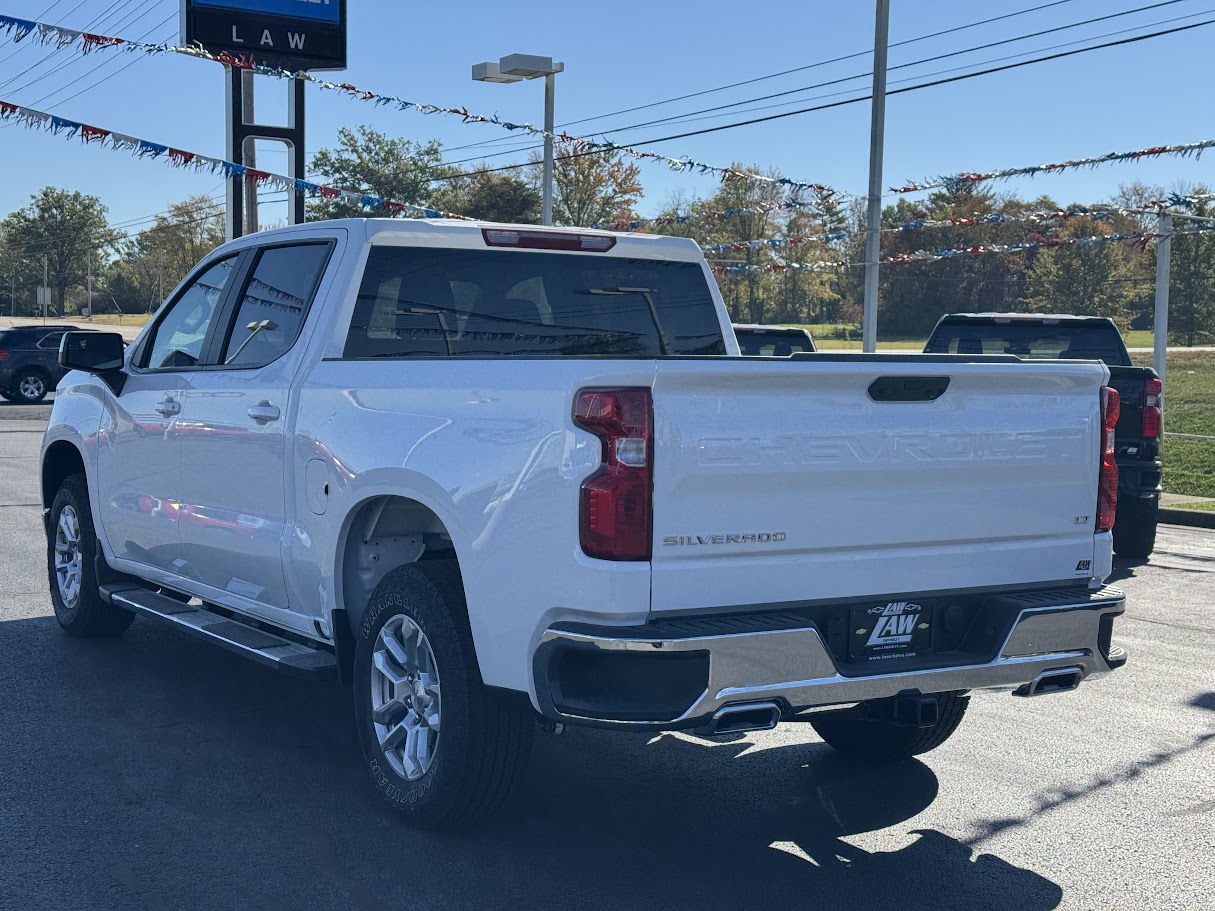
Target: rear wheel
{"points": [[1135, 527], [869, 731], [441, 747], [30, 387], [71, 547]]}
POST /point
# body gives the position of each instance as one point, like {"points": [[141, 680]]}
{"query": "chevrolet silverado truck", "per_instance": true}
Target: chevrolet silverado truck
{"points": [[504, 479], [1035, 336]]}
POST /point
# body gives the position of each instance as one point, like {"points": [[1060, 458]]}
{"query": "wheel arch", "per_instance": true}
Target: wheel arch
{"points": [[61, 460], [379, 534]]}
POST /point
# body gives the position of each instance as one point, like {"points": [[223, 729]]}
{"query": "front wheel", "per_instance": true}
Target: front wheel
{"points": [[30, 387], [869, 731], [71, 546], [1135, 527], [441, 747]]}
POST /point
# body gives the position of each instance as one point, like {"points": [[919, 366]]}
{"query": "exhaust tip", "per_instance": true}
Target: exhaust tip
{"points": [[1058, 680], [749, 716]]}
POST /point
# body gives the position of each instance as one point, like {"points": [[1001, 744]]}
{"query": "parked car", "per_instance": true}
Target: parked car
{"points": [[29, 362], [1034, 336], [503, 479], [772, 341]]}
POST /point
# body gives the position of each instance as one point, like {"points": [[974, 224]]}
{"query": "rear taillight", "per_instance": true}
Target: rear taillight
{"points": [[1151, 408], [615, 513], [1107, 484], [3, 355]]}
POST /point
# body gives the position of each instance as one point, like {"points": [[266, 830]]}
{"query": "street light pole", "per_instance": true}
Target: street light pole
{"points": [[877, 131], [516, 68], [550, 84]]}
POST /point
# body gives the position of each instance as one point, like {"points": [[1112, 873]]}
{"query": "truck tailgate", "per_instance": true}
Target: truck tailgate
{"points": [[787, 481]]}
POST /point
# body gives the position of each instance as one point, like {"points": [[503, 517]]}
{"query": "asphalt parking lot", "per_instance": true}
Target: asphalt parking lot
{"points": [[157, 772]]}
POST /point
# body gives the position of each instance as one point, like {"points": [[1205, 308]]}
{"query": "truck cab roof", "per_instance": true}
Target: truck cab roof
{"points": [[480, 235]]}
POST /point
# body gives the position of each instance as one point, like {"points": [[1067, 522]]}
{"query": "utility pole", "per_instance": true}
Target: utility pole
{"points": [[1160, 332], [46, 284], [12, 293], [89, 294], [877, 130]]}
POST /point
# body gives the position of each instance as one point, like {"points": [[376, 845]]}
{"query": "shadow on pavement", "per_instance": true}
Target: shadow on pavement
{"points": [[1124, 569], [154, 771]]}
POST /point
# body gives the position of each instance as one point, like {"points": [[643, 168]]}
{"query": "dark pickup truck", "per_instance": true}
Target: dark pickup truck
{"points": [[1137, 435]]}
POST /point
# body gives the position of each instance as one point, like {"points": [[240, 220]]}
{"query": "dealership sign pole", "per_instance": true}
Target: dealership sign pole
{"points": [[297, 35]]}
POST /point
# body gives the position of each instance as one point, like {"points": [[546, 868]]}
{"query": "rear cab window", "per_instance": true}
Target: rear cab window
{"points": [[772, 343], [1030, 339], [433, 302]]}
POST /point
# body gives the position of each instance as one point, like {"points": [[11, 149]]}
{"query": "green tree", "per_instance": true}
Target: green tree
{"points": [[914, 294], [376, 164], [589, 189], [488, 196], [1192, 281], [68, 228], [150, 264], [1088, 279]]}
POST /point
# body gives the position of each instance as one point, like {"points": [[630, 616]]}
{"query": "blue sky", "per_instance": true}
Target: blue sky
{"points": [[629, 53]]}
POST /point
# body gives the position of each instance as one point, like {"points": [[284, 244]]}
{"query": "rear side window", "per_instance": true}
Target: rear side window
{"points": [[773, 344], [272, 308], [51, 341], [425, 302], [1031, 340]]}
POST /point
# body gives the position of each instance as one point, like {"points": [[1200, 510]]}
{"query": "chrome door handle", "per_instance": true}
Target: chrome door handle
{"points": [[263, 411], [168, 407]]}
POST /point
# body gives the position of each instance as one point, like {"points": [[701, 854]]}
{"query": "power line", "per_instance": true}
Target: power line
{"points": [[104, 62], [690, 116], [810, 66], [57, 51], [933, 59], [835, 104]]}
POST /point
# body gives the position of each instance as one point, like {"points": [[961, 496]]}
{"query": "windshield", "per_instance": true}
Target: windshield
{"points": [[1076, 341]]}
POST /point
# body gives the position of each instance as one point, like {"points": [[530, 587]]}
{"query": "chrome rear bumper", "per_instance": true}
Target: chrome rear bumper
{"points": [[793, 667]]}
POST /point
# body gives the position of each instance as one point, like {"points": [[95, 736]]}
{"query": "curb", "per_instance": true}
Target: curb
{"points": [[1192, 517]]}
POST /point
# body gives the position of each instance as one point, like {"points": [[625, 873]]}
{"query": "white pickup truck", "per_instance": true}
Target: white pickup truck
{"points": [[505, 479]]}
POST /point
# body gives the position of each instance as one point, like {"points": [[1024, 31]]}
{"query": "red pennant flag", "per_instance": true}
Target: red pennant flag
{"points": [[329, 192], [93, 134], [92, 41], [178, 157]]}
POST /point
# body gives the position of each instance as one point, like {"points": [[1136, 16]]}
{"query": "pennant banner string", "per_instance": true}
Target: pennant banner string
{"points": [[962, 181], [1139, 238], [47, 34], [180, 158]]}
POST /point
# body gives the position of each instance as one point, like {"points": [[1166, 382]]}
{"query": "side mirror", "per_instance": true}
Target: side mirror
{"points": [[99, 353]]}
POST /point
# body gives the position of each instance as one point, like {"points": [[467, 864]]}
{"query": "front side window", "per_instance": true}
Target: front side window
{"points": [[272, 308], [427, 302], [178, 339]]}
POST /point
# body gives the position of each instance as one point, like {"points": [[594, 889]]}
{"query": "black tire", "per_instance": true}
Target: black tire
{"points": [[87, 615], [30, 387], [484, 738], [6, 395], [868, 732], [1135, 527]]}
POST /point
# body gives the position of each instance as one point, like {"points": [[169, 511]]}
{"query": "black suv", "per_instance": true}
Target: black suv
{"points": [[29, 362]]}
